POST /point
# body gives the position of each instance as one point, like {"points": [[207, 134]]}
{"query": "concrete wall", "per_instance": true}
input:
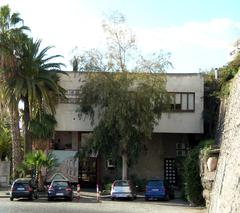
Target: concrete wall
{"points": [[225, 196], [4, 173], [183, 122], [150, 163]]}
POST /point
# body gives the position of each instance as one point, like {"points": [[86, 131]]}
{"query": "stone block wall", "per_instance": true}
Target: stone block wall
{"points": [[225, 196], [4, 173], [208, 172]]}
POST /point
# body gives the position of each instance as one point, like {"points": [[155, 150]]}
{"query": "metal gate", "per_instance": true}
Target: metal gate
{"points": [[170, 172]]}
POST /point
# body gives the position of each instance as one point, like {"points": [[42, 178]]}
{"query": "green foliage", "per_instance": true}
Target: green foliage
{"points": [[43, 126], [128, 105], [193, 187], [226, 73], [36, 160], [127, 102], [138, 183], [211, 104], [5, 143]]}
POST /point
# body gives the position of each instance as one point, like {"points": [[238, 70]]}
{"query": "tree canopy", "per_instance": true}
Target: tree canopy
{"points": [[126, 101]]}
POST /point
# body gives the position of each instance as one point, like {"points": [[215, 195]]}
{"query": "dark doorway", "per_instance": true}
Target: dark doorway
{"points": [[88, 172]]}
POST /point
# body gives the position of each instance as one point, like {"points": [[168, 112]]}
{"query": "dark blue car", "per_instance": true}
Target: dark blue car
{"points": [[60, 189], [158, 189], [23, 188]]}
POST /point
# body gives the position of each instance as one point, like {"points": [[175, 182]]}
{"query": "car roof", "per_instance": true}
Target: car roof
{"points": [[22, 180], [60, 180], [153, 180]]}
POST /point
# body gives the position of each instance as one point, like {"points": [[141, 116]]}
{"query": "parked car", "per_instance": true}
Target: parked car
{"points": [[24, 188], [60, 189], [122, 189], [159, 189]]}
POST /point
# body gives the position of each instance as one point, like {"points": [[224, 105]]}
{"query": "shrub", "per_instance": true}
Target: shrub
{"points": [[139, 183], [192, 181]]}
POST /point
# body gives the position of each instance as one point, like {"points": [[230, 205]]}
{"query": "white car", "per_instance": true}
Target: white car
{"points": [[122, 189]]}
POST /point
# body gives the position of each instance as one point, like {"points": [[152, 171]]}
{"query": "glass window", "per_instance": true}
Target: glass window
{"points": [[190, 101], [184, 101], [178, 101]]}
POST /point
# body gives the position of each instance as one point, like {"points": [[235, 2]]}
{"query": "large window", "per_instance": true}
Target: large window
{"points": [[182, 102]]}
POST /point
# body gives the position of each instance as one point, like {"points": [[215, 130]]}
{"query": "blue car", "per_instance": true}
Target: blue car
{"points": [[24, 188], [158, 189], [60, 189]]}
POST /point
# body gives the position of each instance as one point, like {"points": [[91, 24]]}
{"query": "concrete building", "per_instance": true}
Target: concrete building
{"points": [[172, 137]]}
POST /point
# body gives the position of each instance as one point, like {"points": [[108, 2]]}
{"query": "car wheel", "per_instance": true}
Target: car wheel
{"points": [[31, 197], [167, 197], [112, 198], [36, 195], [11, 198]]}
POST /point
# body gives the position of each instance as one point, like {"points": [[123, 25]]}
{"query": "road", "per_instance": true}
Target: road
{"points": [[89, 205]]}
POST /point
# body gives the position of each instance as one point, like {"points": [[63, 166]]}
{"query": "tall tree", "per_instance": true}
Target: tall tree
{"points": [[36, 83], [128, 102], [11, 35]]}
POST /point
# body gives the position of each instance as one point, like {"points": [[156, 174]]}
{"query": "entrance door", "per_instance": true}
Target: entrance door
{"points": [[170, 173], [88, 172]]}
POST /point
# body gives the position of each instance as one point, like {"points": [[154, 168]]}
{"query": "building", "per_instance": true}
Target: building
{"points": [[172, 137]]}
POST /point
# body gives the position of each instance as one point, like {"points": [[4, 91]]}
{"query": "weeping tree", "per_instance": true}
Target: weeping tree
{"points": [[128, 102]]}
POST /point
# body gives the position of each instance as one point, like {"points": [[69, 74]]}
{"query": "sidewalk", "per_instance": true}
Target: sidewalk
{"points": [[85, 193], [4, 192]]}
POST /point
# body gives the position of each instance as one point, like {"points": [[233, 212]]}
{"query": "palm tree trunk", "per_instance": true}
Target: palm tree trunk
{"points": [[15, 133], [27, 134]]}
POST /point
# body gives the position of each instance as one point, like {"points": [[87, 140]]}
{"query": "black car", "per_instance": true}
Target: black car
{"points": [[60, 189], [23, 188]]}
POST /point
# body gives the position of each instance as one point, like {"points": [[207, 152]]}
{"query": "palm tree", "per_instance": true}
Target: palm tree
{"points": [[37, 83], [42, 129], [34, 162], [11, 34]]}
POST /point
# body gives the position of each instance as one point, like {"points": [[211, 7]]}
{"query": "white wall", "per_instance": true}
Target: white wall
{"points": [[184, 122]]}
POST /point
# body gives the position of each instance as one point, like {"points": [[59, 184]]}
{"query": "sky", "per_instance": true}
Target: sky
{"points": [[198, 34]]}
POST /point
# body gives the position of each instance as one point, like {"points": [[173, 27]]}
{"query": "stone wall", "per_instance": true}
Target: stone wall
{"points": [[4, 173], [225, 196], [208, 164]]}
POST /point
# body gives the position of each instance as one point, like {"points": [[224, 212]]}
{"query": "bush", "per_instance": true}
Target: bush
{"points": [[139, 183], [192, 181]]}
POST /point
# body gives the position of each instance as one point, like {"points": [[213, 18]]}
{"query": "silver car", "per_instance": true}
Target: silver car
{"points": [[122, 189]]}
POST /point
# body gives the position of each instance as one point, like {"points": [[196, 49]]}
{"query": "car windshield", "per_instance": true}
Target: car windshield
{"points": [[155, 183], [121, 183], [60, 184], [21, 185]]}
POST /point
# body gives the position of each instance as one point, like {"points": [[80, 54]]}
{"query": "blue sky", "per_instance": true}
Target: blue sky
{"points": [[198, 33]]}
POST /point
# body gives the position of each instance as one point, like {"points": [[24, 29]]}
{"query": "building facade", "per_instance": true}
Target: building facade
{"points": [[175, 133]]}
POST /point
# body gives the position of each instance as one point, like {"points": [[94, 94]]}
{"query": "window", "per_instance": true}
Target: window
{"points": [[181, 149], [183, 101]]}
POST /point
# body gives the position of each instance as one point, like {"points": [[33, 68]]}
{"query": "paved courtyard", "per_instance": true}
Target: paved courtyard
{"points": [[89, 204]]}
